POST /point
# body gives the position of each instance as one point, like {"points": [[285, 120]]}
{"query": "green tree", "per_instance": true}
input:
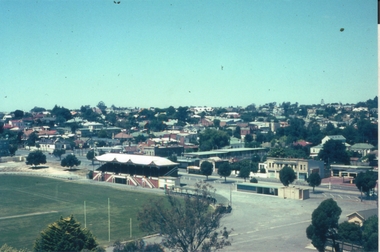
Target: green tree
{"points": [[173, 158], [216, 123], [18, 114], [278, 152], [206, 168], [182, 115], [74, 127], [70, 161], [12, 149], [102, 134], [58, 153], [102, 106], [170, 111], [371, 234], [111, 118], [366, 181], [287, 175], [244, 172], [31, 141], [248, 138], [237, 132], [314, 180], [334, 152], [61, 112], [224, 170], [35, 158], [213, 139], [66, 234], [187, 224], [349, 232], [140, 139], [324, 224]]}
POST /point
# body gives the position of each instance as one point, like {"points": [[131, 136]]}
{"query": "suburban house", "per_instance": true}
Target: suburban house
{"points": [[314, 151], [302, 167], [235, 143], [359, 217], [362, 148], [20, 124]]}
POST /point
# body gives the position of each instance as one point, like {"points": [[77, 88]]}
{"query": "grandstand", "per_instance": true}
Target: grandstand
{"points": [[137, 170]]}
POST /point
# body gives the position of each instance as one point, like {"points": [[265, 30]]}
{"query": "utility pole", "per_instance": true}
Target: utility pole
{"points": [[109, 221], [130, 227], [361, 194], [84, 210]]}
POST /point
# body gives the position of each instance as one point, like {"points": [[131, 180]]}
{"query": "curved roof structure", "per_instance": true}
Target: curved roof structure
{"points": [[135, 159]]}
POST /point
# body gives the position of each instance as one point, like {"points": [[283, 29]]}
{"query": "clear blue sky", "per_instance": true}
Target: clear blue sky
{"points": [[186, 52]]}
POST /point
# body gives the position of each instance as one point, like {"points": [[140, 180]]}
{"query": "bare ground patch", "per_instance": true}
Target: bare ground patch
{"points": [[45, 169]]}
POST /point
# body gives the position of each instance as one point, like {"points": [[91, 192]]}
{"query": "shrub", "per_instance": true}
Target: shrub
{"points": [[90, 174], [253, 180]]}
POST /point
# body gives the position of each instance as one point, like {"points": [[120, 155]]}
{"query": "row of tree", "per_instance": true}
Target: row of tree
{"points": [[37, 157]]}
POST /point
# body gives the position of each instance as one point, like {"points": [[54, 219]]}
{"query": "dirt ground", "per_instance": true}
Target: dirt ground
{"points": [[47, 169]]}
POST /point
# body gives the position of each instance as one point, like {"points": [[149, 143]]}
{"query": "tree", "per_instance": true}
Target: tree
{"points": [[216, 123], [334, 152], [213, 139], [277, 152], [173, 158], [324, 224], [314, 180], [12, 149], [244, 172], [35, 158], [61, 112], [58, 153], [102, 134], [140, 138], [349, 232], [224, 170], [206, 168], [18, 114], [371, 234], [366, 181], [187, 224], [33, 137], [65, 234], [237, 132], [102, 106], [287, 175], [70, 161]]}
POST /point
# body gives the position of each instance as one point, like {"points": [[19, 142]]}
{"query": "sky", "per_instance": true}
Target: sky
{"points": [[149, 53]]}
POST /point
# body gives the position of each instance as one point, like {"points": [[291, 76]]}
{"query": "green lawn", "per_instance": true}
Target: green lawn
{"points": [[20, 195]]}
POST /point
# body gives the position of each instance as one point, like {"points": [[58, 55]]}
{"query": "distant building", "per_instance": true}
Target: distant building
{"points": [[302, 167]]}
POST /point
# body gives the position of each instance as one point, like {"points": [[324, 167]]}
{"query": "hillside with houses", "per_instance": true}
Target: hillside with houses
{"points": [[280, 131]]}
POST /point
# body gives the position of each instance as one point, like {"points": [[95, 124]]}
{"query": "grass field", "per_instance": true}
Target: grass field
{"points": [[28, 204]]}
